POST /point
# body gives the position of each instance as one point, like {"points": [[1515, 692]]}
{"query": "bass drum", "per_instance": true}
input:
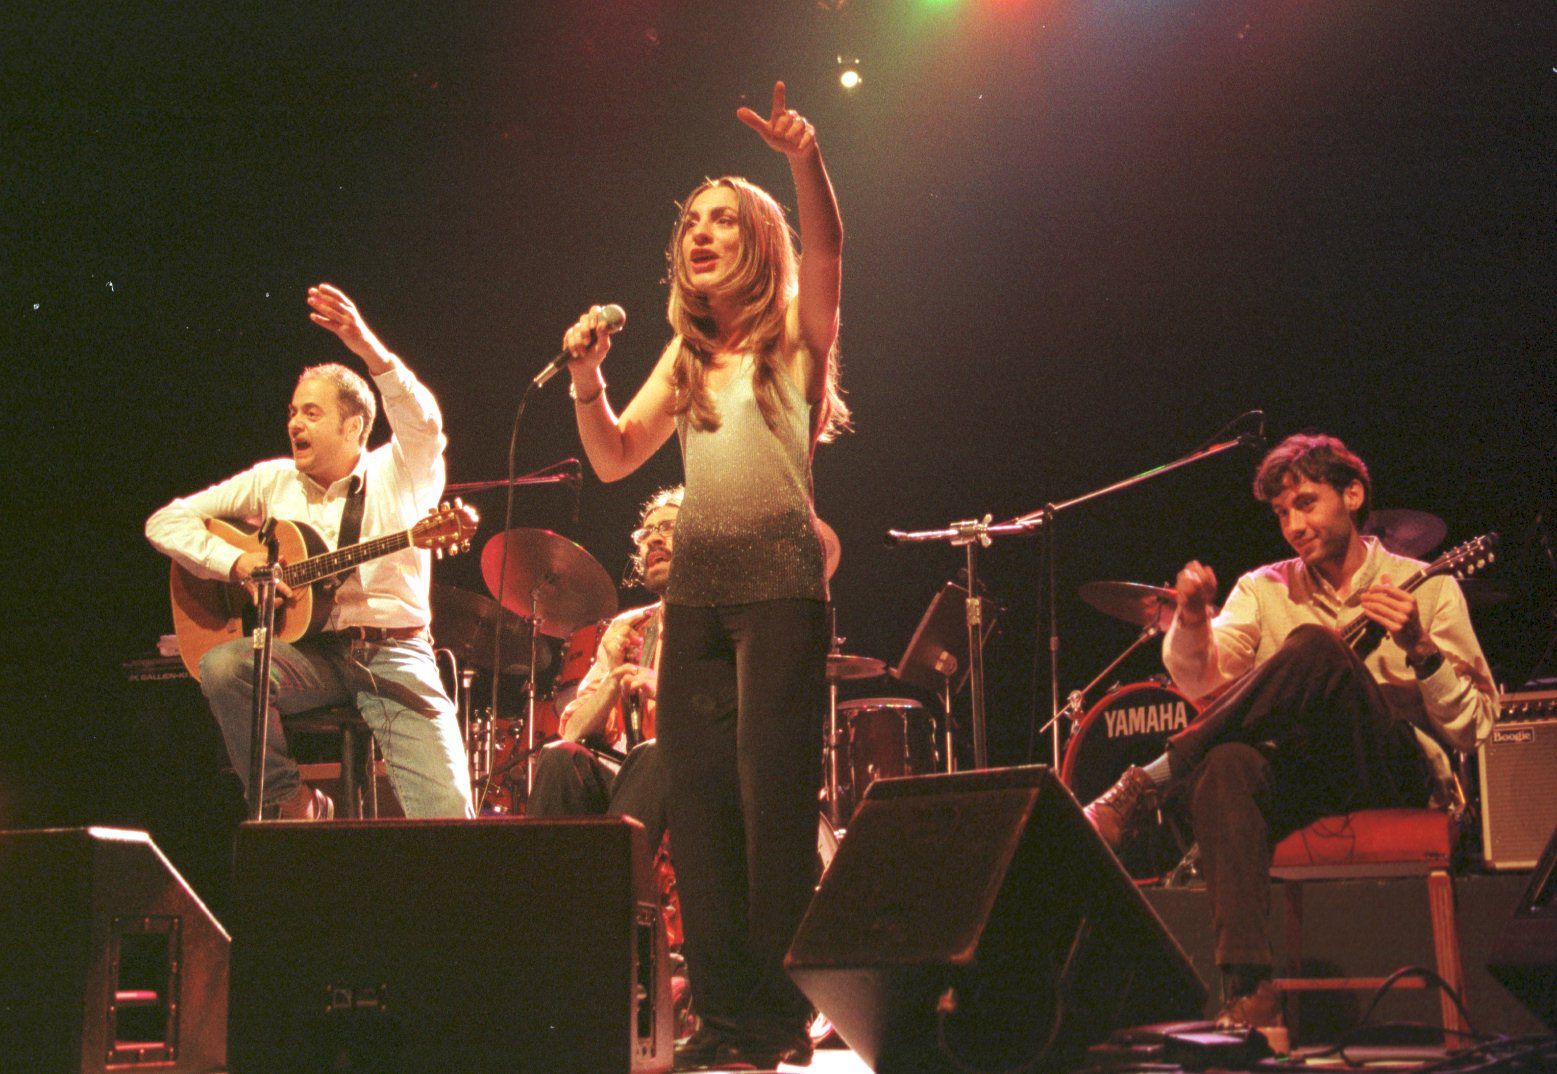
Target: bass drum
{"points": [[1129, 725]]}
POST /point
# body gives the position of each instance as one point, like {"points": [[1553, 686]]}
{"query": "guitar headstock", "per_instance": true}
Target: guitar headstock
{"points": [[1466, 559], [447, 529]]}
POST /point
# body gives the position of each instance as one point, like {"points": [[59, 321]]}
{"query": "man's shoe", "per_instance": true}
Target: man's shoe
{"points": [[764, 1055], [322, 807], [699, 1051], [1122, 808], [1261, 1010]]}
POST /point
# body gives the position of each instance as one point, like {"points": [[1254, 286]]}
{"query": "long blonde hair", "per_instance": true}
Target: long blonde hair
{"points": [[764, 283]]}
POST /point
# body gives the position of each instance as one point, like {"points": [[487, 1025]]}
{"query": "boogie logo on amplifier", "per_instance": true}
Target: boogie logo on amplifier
{"points": [[1513, 734]]}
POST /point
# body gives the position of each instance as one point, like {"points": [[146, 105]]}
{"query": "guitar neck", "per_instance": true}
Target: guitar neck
{"points": [[341, 560]]}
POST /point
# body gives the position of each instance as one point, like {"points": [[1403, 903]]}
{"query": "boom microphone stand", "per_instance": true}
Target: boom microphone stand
{"points": [[972, 534]]}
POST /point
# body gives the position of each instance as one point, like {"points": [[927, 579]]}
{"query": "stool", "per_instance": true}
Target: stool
{"points": [[358, 796], [1372, 844]]}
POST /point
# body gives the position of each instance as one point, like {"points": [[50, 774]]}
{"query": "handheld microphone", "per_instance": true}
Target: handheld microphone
{"points": [[615, 319]]}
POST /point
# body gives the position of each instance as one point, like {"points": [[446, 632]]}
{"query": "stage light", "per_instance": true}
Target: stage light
{"points": [[849, 76]]}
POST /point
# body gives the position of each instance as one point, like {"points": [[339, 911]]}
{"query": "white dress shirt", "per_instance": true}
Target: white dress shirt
{"points": [[404, 480]]}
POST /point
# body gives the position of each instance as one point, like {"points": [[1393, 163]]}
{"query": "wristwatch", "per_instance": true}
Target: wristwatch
{"points": [[1429, 666]]}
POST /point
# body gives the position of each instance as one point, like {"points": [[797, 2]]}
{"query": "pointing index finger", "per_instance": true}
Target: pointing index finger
{"points": [[779, 106]]}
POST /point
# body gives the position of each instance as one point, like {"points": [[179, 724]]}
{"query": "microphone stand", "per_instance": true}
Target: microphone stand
{"points": [[467, 487], [971, 534], [264, 579], [1044, 517]]}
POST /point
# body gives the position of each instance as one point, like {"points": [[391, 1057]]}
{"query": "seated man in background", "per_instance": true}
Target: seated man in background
{"points": [[607, 761]]}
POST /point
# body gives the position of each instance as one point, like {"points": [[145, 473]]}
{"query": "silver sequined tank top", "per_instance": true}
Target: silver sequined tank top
{"points": [[745, 529]]}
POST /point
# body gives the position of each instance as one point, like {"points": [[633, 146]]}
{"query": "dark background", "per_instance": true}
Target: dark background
{"points": [[1082, 236]]}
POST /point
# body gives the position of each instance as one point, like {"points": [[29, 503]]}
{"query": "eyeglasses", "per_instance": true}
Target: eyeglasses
{"points": [[664, 529]]}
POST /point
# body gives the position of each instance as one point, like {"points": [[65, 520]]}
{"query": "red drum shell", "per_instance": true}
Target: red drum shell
{"points": [[578, 654], [885, 736]]}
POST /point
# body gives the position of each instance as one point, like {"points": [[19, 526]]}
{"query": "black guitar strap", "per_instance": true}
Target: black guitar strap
{"points": [[351, 517], [351, 525]]}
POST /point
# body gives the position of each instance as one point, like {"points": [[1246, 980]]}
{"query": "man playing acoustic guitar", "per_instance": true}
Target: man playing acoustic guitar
{"points": [[374, 651], [1314, 717]]}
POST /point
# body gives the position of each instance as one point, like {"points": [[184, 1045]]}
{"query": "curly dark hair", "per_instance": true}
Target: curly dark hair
{"points": [[1317, 457]]}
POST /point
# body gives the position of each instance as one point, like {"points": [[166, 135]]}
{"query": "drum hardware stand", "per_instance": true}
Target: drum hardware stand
{"points": [[948, 746], [530, 760], [1187, 871], [834, 743], [973, 533], [264, 579], [480, 731], [1074, 703]]}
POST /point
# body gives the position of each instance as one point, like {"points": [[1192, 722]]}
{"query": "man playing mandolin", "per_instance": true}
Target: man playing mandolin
{"points": [[1317, 715], [374, 650]]}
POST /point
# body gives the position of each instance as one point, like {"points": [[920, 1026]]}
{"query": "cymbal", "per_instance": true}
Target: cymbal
{"points": [[844, 668], [1405, 532], [1143, 605], [832, 548], [568, 585], [464, 622]]}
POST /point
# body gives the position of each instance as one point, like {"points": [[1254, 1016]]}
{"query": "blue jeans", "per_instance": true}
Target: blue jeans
{"points": [[393, 684]]}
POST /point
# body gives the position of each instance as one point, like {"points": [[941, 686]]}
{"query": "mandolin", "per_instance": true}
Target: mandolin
{"points": [[1363, 634]]}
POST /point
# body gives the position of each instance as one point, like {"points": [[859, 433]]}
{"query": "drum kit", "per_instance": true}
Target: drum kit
{"points": [[543, 585]]}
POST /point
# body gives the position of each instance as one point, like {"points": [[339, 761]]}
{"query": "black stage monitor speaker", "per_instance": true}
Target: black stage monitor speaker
{"points": [[108, 961], [1524, 958], [975, 921], [445, 945]]}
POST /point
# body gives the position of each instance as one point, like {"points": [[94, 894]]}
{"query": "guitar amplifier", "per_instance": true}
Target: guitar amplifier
{"points": [[1518, 767]]}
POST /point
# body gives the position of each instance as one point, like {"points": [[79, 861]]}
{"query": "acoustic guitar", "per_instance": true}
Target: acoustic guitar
{"points": [[207, 612]]}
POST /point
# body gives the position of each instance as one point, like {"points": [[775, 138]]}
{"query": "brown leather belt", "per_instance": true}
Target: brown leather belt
{"points": [[377, 634]]}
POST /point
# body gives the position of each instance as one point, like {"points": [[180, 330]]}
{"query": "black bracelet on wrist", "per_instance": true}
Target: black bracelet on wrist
{"points": [[1426, 668]]}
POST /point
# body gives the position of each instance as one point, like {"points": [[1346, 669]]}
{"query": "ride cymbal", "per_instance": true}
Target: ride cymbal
{"points": [[547, 579], [842, 667], [1405, 532]]}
